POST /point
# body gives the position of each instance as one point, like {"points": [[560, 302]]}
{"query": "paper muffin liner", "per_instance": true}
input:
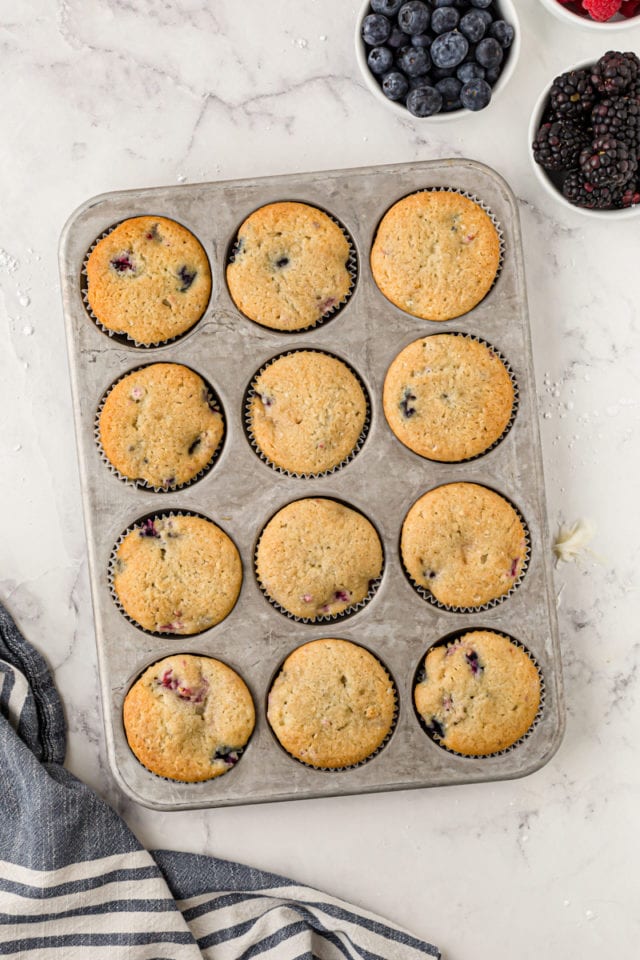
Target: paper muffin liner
{"points": [[420, 675], [113, 559], [374, 753], [250, 393], [214, 403], [240, 751], [351, 265], [121, 336], [330, 617], [429, 597], [483, 206]]}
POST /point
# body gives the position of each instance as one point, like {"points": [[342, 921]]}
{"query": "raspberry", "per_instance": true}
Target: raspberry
{"points": [[630, 8], [602, 9]]}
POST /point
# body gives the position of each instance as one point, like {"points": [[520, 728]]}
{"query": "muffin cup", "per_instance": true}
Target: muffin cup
{"points": [[116, 335], [113, 558], [420, 675], [350, 766], [352, 269], [429, 597], [250, 394], [214, 403], [331, 617], [240, 751], [483, 206]]}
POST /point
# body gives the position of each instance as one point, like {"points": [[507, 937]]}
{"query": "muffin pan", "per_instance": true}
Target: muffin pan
{"points": [[382, 481]]}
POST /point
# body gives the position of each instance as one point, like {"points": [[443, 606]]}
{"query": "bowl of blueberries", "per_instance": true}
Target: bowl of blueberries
{"points": [[437, 58]]}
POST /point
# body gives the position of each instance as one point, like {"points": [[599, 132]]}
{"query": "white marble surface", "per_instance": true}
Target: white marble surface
{"points": [[100, 95]]}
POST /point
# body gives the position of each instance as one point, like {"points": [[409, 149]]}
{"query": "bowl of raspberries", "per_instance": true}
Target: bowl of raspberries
{"points": [[611, 14], [437, 58], [585, 136]]}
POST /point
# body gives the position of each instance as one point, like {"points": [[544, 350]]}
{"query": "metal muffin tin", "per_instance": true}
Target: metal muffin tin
{"points": [[241, 492]]}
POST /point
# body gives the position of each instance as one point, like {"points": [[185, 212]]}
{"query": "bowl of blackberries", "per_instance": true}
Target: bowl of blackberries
{"points": [[585, 136], [437, 58]]}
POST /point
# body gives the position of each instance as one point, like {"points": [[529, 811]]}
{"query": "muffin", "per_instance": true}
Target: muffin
{"points": [[435, 254], [332, 704], [148, 279], [188, 718], [318, 558], [289, 266], [157, 426], [464, 544], [177, 574], [448, 397], [307, 412], [480, 694]]}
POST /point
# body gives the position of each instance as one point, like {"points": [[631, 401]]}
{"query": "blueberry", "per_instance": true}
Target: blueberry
{"points": [[503, 32], [444, 19], [394, 85], [470, 71], [413, 17], [450, 89], [489, 53], [475, 94], [439, 73], [474, 663], [473, 25], [481, 4], [444, 3], [398, 38], [388, 7], [422, 40], [424, 101], [187, 277], [406, 404], [123, 262], [375, 29], [380, 59], [450, 49], [414, 61], [492, 76], [436, 728]]}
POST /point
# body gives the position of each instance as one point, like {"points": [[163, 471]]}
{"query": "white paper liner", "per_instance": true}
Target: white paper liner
{"points": [[113, 558], [374, 753], [251, 393], [119, 335], [214, 403], [239, 750], [352, 269], [419, 676], [330, 617], [429, 597]]}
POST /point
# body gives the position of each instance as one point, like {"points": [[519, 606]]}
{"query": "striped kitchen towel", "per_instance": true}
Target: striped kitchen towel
{"points": [[76, 884]]}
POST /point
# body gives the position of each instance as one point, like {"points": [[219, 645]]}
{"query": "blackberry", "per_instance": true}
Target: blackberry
{"points": [[582, 193], [558, 144], [608, 162], [614, 72], [572, 95], [617, 117], [631, 195]]}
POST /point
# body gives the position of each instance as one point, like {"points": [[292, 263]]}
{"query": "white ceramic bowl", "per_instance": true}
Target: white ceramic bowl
{"points": [[508, 10], [561, 12], [543, 176]]}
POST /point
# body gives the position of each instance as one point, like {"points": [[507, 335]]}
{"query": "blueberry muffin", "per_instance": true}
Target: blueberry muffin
{"points": [[448, 397], [188, 718], [435, 254], [332, 705], [463, 543], [157, 425], [318, 558], [307, 412], [178, 574], [148, 279], [480, 694], [289, 266]]}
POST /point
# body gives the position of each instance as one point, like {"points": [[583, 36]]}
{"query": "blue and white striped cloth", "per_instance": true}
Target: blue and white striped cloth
{"points": [[75, 884]]}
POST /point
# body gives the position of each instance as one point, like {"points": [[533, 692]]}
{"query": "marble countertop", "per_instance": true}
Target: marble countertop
{"points": [[101, 96]]}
